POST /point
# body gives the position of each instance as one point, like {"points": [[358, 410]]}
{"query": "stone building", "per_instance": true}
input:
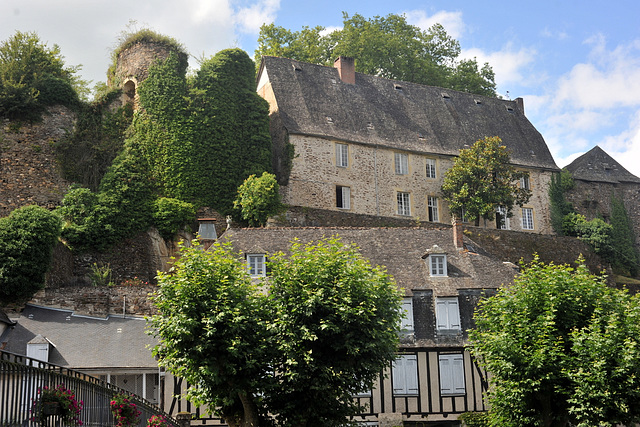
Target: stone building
{"points": [[372, 146], [598, 177], [442, 275]]}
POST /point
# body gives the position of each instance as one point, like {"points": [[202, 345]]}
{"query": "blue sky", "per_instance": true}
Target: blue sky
{"points": [[575, 63]]}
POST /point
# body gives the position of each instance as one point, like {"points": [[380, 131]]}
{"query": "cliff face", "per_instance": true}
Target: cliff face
{"points": [[28, 170]]}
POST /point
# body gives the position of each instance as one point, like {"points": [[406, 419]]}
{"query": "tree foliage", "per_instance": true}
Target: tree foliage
{"points": [[561, 347], [203, 136], [559, 206], [33, 76], [258, 199], [386, 46], [481, 179], [625, 259], [326, 328], [27, 238]]}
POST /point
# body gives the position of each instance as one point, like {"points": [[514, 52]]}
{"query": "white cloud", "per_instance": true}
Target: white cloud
{"points": [[554, 34], [625, 147], [451, 21], [506, 63], [251, 18]]}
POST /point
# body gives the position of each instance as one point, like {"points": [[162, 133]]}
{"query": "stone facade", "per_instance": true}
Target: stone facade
{"points": [[373, 184], [28, 170]]}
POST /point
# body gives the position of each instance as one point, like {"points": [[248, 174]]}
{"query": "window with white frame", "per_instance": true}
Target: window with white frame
{"points": [[402, 163], [343, 197], [447, 314], [524, 182], [432, 208], [438, 264], [431, 168], [527, 219], [404, 206], [255, 265], [451, 374], [342, 155], [407, 315], [405, 375], [502, 221]]}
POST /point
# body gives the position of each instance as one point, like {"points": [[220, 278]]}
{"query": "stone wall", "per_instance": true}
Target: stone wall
{"points": [[593, 199], [28, 170], [133, 63], [370, 175]]}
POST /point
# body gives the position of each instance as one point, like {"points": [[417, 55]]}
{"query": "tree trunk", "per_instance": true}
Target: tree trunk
{"points": [[250, 418]]}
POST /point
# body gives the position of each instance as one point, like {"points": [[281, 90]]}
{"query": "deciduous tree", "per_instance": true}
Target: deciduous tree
{"points": [[323, 331], [258, 198], [385, 46], [561, 348], [481, 179]]}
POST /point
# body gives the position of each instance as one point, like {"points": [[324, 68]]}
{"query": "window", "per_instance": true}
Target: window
{"points": [[407, 319], [404, 207], [451, 374], [342, 155], [255, 264], [447, 314], [438, 265], [527, 219], [431, 168], [402, 163], [343, 197], [524, 182], [432, 208], [502, 221], [405, 375]]}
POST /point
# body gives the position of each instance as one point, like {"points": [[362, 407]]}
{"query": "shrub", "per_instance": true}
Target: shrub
{"points": [[170, 215], [100, 275], [475, 419], [27, 238], [258, 199]]}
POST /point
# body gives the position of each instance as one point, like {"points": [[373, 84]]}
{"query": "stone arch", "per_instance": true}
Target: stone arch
{"points": [[129, 92]]}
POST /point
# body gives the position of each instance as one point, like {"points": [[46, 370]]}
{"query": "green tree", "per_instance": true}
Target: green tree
{"points": [[561, 349], [559, 206], [32, 76], [324, 331], [383, 46], [481, 179], [27, 238], [625, 258], [258, 199]]}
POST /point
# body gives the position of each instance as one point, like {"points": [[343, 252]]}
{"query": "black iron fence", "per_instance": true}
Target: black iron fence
{"points": [[22, 377]]}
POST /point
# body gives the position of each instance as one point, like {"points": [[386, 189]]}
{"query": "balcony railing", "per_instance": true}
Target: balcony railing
{"points": [[21, 377]]}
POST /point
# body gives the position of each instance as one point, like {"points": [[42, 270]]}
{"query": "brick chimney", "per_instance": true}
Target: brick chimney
{"points": [[346, 69], [457, 234], [520, 104]]}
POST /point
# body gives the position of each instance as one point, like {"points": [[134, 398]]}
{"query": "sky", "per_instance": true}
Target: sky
{"points": [[576, 64]]}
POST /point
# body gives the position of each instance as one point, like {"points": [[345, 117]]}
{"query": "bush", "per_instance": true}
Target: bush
{"points": [[171, 215], [258, 199], [27, 238], [475, 419]]}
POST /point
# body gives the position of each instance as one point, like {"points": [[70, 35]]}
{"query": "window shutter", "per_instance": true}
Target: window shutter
{"points": [[441, 314], [405, 374], [458, 374], [446, 382], [407, 320], [454, 314]]}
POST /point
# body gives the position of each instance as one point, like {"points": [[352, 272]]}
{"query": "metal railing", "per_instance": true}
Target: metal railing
{"points": [[21, 377]]}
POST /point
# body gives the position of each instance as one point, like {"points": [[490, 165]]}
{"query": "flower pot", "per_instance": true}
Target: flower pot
{"points": [[51, 408]]}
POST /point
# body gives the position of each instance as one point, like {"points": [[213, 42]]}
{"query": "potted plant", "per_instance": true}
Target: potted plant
{"points": [[125, 411], [57, 401], [157, 421]]}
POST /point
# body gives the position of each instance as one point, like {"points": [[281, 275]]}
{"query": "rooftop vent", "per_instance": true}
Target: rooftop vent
{"points": [[510, 109], [445, 95], [397, 87], [297, 67], [478, 101], [370, 126], [329, 120]]}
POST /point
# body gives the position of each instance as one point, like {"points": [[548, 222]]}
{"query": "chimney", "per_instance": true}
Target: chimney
{"points": [[520, 104], [346, 69], [457, 234]]}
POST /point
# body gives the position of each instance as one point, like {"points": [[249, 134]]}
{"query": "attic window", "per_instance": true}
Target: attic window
{"points": [[478, 101], [329, 120], [397, 87], [445, 95], [510, 109]]}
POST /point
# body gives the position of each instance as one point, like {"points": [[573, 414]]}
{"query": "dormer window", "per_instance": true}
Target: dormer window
{"points": [[256, 265], [438, 265]]}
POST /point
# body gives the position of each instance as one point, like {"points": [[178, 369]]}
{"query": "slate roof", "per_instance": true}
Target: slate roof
{"points": [[83, 342], [399, 249], [598, 166], [5, 319], [312, 100]]}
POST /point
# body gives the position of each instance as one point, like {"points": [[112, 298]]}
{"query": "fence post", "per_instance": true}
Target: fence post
{"points": [[183, 419]]}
